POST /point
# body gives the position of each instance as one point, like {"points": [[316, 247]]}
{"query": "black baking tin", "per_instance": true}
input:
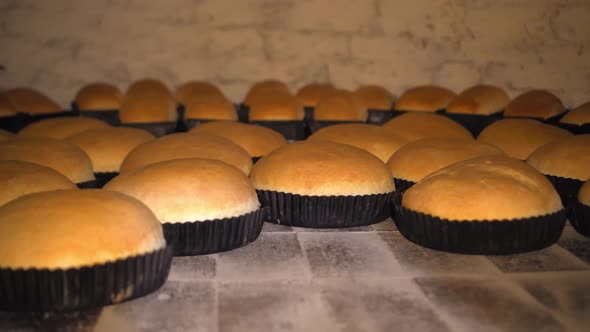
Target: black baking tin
{"points": [[291, 130], [243, 110], [157, 129], [110, 116], [13, 123], [191, 123], [45, 290], [580, 218], [575, 129], [315, 125], [489, 237], [308, 111], [402, 185], [255, 159], [92, 184], [325, 211], [566, 188], [379, 117], [211, 236], [103, 178], [475, 123]]}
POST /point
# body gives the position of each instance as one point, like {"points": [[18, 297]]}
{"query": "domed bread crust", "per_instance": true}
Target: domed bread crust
{"points": [[536, 104], [19, 178], [416, 126], [520, 137], [418, 159], [180, 146], [107, 147], [374, 139], [99, 97], [276, 107], [584, 193], [31, 101], [578, 116], [567, 158], [187, 190], [60, 128], [311, 94], [5, 135], [486, 188], [264, 88], [340, 106], [375, 97], [64, 157], [75, 228], [257, 140], [426, 98], [6, 108], [479, 99], [211, 108], [321, 168]]}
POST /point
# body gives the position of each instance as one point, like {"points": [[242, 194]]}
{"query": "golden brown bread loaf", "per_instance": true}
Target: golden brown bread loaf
{"points": [[61, 156], [341, 105], [257, 140], [265, 88], [414, 126], [74, 228], [210, 108], [31, 101], [486, 188], [107, 147], [148, 108], [426, 98], [5, 135], [148, 86], [375, 97], [179, 146], [20, 178], [311, 94], [567, 158], [6, 108], [99, 97], [418, 159], [584, 193], [520, 137], [535, 104], [321, 168], [194, 90], [480, 99], [374, 139], [60, 128], [578, 116], [187, 190], [276, 107]]}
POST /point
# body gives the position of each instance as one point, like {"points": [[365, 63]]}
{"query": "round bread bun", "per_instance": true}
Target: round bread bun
{"points": [[485, 188], [374, 139], [20, 178], [31, 101], [180, 146], [276, 107], [211, 108], [311, 94], [62, 127], [265, 88], [480, 99], [520, 137], [61, 156], [321, 168], [375, 97], [194, 90], [99, 97], [5, 135], [578, 116], [6, 108], [107, 147], [187, 190], [535, 104], [566, 158], [257, 140], [416, 160], [63, 229], [148, 86], [416, 126], [584, 193], [340, 106], [150, 107], [426, 98]]}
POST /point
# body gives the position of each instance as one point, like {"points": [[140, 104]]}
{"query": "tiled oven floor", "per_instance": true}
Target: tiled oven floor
{"points": [[361, 279]]}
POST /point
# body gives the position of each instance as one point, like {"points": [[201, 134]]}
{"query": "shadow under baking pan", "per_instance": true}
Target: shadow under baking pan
{"points": [[18, 121], [475, 123], [110, 116]]}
